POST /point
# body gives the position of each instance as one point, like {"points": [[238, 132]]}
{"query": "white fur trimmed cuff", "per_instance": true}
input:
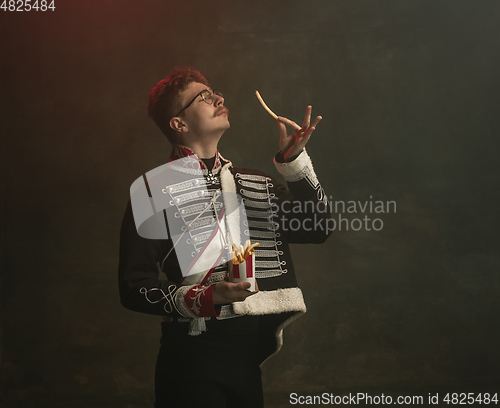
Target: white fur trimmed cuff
{"points": [[272, 302], [298, 169]]}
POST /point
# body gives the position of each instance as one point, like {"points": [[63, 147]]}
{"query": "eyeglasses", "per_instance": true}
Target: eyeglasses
{"points": [[207, 97]]}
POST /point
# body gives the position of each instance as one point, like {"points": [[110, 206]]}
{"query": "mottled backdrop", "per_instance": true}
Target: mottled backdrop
{"points": [[409, 92]]}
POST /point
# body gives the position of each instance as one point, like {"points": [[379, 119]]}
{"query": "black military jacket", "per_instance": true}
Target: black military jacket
{"points": [[276, 217]]}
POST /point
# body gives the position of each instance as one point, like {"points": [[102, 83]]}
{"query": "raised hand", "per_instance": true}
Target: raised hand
{"points": [[292, 145]]}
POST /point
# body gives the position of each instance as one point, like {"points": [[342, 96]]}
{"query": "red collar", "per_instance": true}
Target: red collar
{"points": [[186, 158]]}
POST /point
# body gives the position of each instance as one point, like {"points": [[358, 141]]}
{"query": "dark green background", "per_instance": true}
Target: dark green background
{"points": [[409, 92]]}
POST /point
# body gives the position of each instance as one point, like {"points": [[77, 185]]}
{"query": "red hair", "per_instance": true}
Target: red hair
{"points": [[164, 99]]}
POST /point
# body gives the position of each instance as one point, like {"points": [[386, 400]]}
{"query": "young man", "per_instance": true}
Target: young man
{"points": [[216, 333]]}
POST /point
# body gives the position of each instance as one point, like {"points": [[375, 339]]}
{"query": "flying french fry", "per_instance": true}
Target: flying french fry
{"points": [[265, 106]]}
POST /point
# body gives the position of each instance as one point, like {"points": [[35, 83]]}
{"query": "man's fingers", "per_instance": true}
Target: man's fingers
{"points": [[307, 118], [316, 121], [241, 291], [306, 138], [309, 133], [243, 285], [305, 127], [289, 122], [227, 292], [282, 129]]}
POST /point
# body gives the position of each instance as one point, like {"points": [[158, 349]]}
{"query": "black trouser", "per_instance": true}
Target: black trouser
{"points": [[219, 368]]}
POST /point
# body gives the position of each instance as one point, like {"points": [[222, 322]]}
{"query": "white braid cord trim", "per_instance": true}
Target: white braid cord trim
{"points": [[181, 302], [196, 324], [253, 177]]}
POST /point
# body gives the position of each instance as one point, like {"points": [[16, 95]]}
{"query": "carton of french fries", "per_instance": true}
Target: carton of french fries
{"points": [[242, 266]]}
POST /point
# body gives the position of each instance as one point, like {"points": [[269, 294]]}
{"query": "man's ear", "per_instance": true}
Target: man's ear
{"points": [[178, 125]]}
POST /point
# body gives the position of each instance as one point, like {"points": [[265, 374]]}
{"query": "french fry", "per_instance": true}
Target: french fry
{"points": [[236, 258], [253, 246], [265, 106], [241, 253]]}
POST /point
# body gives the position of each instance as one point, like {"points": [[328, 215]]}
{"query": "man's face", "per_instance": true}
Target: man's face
{"points": [[201, 118]]}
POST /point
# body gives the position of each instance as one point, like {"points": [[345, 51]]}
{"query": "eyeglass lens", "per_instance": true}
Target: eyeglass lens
{"points": [[207, 95]]}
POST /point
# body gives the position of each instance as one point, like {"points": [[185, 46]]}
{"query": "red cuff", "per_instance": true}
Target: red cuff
{"points": [[200, 301]]}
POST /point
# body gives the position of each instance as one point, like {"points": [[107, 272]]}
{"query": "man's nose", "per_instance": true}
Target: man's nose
{"points": [[218, 100]]}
